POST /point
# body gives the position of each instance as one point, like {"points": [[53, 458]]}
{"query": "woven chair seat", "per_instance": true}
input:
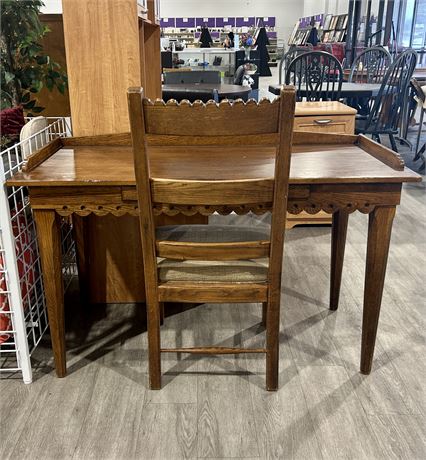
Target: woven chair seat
{"points": [[232, 271], [212, 233]]}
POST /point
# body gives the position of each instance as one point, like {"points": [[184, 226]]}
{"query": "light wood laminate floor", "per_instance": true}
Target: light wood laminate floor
{"points": [[218, 407]]}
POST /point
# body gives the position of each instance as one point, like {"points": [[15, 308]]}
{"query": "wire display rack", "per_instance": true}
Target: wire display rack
{"points": [[23, 315]]}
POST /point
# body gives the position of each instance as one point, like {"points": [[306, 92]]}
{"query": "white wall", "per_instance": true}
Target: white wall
{"points": [[312, 7], [52, 7], [287, 12]]}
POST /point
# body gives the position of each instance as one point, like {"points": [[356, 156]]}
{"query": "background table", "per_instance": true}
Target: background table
{"points": [[348, 90], [223, 90]]}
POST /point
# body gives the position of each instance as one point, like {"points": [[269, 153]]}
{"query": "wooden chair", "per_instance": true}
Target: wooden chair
{"points": [[317, 76], [390, 103], [370, 66], [192, 263]]}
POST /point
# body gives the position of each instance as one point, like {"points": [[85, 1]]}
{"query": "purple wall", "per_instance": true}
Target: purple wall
{"points": [[200, 22], [269, 22], [221, 22], [240, 22], [169, 23], [180, 23]]}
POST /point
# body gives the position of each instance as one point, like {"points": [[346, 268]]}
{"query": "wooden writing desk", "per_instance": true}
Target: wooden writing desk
{"points": [[335, 173]]}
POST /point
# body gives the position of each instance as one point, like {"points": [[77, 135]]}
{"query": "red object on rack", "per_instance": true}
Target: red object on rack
{"points": [[11, 121], [337, 49]]}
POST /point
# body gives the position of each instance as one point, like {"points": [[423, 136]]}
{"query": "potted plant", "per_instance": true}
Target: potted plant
{"points": [[25, 68]]}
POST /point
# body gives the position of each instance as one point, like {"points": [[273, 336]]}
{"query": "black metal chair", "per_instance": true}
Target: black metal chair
{"points": [[317, 76], [370, 66], [196, 76], [292, 53], [191, 96], [389, 105]]}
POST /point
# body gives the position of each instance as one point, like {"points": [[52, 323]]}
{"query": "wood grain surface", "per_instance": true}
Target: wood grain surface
{"points": [[310, 164]]}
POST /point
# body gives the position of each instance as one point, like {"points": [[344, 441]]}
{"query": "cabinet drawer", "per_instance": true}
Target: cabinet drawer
{"points": [[343, 124]]}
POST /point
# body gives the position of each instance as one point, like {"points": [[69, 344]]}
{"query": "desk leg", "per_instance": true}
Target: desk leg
{"points": [[49, 241], [379, 234], [338, 241]]}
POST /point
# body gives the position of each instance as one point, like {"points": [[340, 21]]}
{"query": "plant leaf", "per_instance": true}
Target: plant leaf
{"points": [[26, 97], [8, 77], [30, 104]]}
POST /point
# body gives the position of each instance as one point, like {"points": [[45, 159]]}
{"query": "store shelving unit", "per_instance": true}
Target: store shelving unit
{"points": [[334, 28]]}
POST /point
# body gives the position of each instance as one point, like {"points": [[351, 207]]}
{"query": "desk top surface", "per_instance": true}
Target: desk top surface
{"points": [[326, 108], [113, 165]]}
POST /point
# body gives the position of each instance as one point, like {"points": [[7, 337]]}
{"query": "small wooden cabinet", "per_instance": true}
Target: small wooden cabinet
{"points": [[321, 117], [324, 117]]}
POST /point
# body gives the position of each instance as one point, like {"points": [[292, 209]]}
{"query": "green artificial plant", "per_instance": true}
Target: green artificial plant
{"points": [[25, 68]]}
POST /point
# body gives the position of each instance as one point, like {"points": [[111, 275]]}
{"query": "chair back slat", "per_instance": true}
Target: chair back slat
{"points": [[211, 119], [207, 193], [242, 139]]}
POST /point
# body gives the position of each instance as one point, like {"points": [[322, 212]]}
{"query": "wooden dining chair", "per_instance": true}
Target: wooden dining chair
{"points": [[370, 66], [203, 263], [390, 104], [317, 76]]}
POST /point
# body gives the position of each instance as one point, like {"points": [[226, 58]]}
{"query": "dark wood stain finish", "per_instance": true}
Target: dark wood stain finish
{"points": [[337, 173]]}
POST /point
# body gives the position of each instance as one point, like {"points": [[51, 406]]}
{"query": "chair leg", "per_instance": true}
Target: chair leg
{"points": [[376, 137], [419, 133], [154, 353], [264, 313], [393, 143], [272, 344]]}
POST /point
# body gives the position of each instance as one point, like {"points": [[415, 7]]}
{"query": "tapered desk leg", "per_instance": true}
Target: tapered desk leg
{"points": [[79, 225], [49, 240], [379, 234], [338, 242]]}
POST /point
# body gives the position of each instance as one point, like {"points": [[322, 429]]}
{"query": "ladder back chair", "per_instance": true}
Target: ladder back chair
{"points": [[317, 76], [179, 151]]}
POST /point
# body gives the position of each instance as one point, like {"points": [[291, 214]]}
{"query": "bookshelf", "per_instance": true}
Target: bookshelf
{"points": [[334, 28], [331, 29]]}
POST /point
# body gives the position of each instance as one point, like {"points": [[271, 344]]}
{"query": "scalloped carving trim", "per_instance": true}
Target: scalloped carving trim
{"points": [[99, 210], [211, 103], [294, 207]]}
